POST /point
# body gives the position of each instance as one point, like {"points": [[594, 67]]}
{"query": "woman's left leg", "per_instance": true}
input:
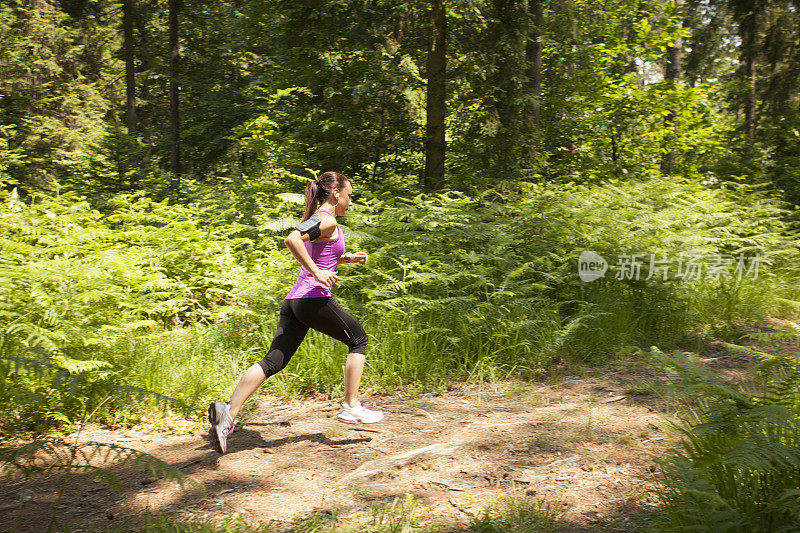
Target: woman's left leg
{"points": [[353, 369], [330, 318], [288, 336]]}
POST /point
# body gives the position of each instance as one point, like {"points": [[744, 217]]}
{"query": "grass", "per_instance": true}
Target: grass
{"points": [[204, 362], [643, 387], [166, 524], [193, 364], [516, 514]]}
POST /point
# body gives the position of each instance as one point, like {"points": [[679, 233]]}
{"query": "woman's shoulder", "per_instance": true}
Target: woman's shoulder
{"points": [[326, 219], [327, 224]]}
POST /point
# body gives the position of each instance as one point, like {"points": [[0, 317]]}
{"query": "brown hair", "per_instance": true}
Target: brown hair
{"points": [[318, 190]]}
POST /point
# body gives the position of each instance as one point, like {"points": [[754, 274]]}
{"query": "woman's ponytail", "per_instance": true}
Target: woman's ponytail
{"points": [[319, 189], [311, 199]]}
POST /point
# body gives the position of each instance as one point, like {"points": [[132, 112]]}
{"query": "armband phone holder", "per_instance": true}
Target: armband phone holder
{"points": [[310, 226]]}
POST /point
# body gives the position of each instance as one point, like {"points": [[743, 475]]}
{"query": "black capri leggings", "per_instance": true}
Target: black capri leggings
{"points": [[324, 315]]}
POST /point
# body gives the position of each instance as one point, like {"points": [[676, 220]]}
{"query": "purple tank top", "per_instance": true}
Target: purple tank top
{"points": [[326, 256]]}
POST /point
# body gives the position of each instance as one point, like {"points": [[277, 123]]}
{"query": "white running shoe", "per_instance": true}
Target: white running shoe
{"points": [[219, 414], [359, 413]]}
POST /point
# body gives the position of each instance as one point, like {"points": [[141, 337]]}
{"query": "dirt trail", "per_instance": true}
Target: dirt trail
{"points": [[585, 445]]}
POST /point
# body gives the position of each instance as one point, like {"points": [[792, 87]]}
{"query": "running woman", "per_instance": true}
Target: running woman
{"points": [[318, 245]]}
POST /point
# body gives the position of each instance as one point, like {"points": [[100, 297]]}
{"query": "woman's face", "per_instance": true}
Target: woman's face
{"points": [[344, 199]]}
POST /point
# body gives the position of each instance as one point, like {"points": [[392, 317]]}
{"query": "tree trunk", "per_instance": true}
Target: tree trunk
{"points": [[533, 56], [175, 159], [747, 32], [130, 73], [671, 75], [533, 83], [144, 109], [750, 102], [400, 29], [436, 99], [37, 76], [690, 20]]}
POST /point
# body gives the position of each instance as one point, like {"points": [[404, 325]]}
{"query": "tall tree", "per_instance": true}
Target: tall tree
{"points": [[533, 81], [175, 146], [672, 73], [746, 13], [128, 9], [436, 98], [144, 108], [711, 42], [505, 98], [50, 104], [533, 56]]}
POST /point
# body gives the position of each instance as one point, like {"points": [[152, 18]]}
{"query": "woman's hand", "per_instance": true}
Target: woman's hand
{"points": [[326, 277], [358, 257]]}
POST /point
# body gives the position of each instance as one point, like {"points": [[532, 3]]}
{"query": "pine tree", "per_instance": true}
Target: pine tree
{"points": [[174, 95], [49, 110], [533, 83], [672, 72], [437, 98]]}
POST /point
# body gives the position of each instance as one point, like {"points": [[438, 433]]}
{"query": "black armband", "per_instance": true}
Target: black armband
{"points": [[310, 226]]}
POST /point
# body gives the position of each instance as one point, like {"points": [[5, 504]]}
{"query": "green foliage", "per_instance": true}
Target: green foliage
{"points": [[512, 514], [54, 390], [739, 466], [75, 284], [73, 278], [112, 165], [171, 298], [106, 296], [50, 105], [194, 364], [352, 98], [519, 259], [164, 524], [464, 286]]}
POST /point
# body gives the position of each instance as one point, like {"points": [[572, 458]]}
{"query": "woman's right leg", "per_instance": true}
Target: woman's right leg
{"points": [[288, 336], [250, 381]]}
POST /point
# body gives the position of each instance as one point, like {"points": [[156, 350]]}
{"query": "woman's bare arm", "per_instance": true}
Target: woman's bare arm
{"points": [[295, 243]]}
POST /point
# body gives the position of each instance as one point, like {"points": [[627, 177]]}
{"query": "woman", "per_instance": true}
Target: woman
{"points": [[318, 245]]}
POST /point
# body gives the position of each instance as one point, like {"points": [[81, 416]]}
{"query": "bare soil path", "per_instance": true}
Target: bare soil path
{"points": [[585, 445]]}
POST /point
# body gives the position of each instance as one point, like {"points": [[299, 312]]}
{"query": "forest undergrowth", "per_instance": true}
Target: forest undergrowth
{"points": [[148, 306], [178, 300]]}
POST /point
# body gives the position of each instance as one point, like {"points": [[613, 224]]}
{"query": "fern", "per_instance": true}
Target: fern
{"points": [[477, 280], [292, 198], [45, 455], [59, 389], [740, 452]]}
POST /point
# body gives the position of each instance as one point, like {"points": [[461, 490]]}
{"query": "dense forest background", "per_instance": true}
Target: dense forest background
{"points": [[102, 97], [152, 154]]}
